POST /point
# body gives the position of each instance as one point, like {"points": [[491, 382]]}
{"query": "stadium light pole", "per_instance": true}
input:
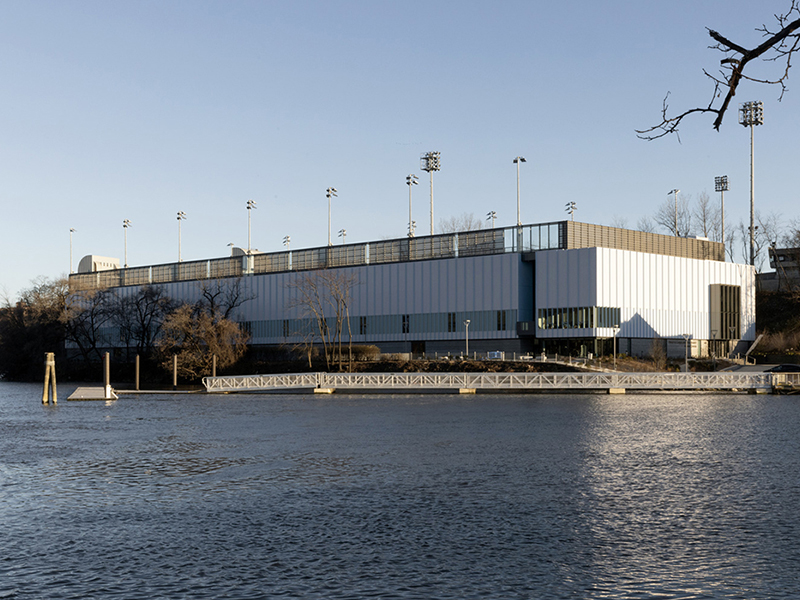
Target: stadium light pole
{"points": [[343, 235], [517, 161], [181, 217], [251, 204], [287, 239], [675, 193], [430, 162], [571, 207], [721, 186], [71, 231], [330, 193], [491, 216], [411, 180], [750, 115], [125, 224]]}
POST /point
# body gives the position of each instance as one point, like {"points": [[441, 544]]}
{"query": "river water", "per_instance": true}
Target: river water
{"points": [[411, 496]]}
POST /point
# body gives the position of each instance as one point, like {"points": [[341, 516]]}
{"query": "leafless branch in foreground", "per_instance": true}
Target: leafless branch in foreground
{"points": [[779, 46]]}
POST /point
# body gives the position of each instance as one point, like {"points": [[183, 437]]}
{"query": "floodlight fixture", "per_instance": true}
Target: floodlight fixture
{"points": [[411, 180], [721, 186], [675, 192], [251, 204], [330, 193], [181, 217], [517, 161], [71, 231], [571, 207], [430, 162], [491, 216], [750, 115], [343, 235], [125, 224], [287, 239]]}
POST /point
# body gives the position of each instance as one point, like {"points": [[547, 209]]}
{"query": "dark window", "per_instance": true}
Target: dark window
{"points": [[406, 322]]}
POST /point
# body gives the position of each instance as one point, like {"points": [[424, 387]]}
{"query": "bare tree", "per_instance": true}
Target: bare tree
{"points": [[463, 222], [324, 298], [707, 217], [195, 336], [140, 316], [221, 297], [646, 224], [781, 42], [87, 315], [676, 220], [768, 229], [619, 222]]}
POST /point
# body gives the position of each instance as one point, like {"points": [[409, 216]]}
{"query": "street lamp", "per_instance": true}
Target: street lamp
{"points": [[714, 349], [125, 224], [491, 216], [752, 114], [516, 161], [616, 330], [571, 208], [181, 217], [330, 193], [466, 325], [71, 231], [411, 180], [675, 193], [430, 162], [250, 205], [721, 186], [343, 235], [686, 337]]}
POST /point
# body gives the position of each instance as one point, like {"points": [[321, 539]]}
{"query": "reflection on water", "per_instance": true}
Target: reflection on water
{"points": [[399, 497]]}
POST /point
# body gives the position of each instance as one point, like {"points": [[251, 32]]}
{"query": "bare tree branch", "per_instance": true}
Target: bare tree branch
{"points": [[779, 45]]}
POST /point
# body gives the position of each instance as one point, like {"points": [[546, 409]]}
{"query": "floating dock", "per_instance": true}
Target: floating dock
{"points": [[608, 382]]}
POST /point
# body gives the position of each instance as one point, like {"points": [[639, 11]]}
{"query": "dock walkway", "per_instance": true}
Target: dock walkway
{"points": [[611, 382]]}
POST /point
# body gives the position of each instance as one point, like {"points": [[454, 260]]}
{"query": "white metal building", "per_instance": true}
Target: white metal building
{"points": [[558, 287]]}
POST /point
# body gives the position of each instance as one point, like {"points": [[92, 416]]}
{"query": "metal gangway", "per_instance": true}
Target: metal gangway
{"points": [[521, 382]]}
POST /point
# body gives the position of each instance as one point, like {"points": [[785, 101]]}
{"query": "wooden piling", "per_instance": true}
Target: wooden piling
{"points": [[49, 379], [136, 375], [107, 374], [174, 372], [213, 365]]}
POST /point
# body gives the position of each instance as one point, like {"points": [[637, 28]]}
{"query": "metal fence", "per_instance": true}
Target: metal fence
{"points": [[720, 381]]}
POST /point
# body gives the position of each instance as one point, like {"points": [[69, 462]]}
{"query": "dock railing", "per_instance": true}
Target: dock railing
{"points": [[718, 381]]}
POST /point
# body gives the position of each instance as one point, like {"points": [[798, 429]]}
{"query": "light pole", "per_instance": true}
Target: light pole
{"points": [[571, 208], [430, 162], [466, 325], [330, 193], [721, 186], [675, 193], [714, 349], [181, 217], [686, 337], [71, 231], [516, 161], [616, 330], [125, 224], [410, 181], [250, 205], [287, 239], [343, 235], [750, 115], [491, 216]]}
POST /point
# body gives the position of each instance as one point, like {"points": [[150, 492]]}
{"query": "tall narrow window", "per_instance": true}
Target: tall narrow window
{"points": [[362, 325], [406, 323]]}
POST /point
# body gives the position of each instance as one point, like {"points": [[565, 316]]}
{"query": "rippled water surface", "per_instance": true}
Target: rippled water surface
{"points": [[433, 496]]}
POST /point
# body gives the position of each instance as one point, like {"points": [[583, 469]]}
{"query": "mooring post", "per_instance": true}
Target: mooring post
{"points": [[136, 374], [213, 365], [174, 372], [107, 375], [49, 375]]}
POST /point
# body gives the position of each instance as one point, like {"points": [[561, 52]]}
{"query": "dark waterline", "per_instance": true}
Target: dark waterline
{"points": [[399, 497]]}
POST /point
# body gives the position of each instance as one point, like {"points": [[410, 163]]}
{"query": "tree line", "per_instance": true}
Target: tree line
{"points": [[80, 326]]}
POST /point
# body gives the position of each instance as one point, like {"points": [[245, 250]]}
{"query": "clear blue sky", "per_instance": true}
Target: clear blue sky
{"points": [[136, 110]]}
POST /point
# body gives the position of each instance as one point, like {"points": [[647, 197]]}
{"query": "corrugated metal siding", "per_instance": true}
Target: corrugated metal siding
{"points": [[659, 295]]}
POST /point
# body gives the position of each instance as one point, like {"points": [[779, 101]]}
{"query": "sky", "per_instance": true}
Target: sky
{"points": [[137, 110]]}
